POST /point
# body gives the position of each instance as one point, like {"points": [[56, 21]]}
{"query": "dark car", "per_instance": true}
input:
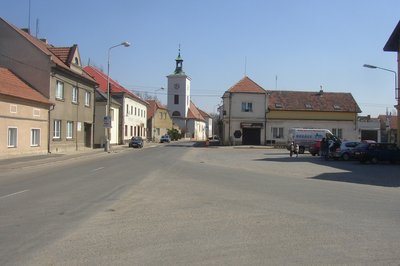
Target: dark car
{"points": [[136, 142], [375, 152]]}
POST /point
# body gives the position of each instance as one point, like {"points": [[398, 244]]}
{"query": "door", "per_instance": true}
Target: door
{"points": [[88, 135], [251, 136]]}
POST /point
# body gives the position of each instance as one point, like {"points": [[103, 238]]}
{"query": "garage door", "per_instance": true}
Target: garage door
{"points": [[251, 136], [369, 135]]}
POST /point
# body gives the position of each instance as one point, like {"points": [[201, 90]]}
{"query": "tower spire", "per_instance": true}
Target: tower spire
{"points": [[179, 62]]}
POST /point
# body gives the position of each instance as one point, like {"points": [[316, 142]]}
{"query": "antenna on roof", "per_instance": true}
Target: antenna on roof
{"points": [[29, 17], [245, 65], [37, 28]]}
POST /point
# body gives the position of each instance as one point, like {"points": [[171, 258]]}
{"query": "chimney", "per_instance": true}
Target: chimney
{"points": [[26, 30]]}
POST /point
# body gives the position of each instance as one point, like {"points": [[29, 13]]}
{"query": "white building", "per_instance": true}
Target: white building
{"points": [[182, 110]]}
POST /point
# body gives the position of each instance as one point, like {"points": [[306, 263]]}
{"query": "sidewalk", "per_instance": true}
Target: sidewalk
{"points": [[35, 160]]}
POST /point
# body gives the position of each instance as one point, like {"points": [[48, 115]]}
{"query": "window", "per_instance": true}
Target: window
{"points": [[176, 99], [59, 90], [338, 132], [336, 107], [13, 108], [57, 129], [127, 110], [87, 98], [247, 107], [308, 106], [74, 94], [70, 129], [277, 132], [135, 130], [126, 130], [12, 137], [176, 113], [131, 130], [278, 105], [35, 137]]}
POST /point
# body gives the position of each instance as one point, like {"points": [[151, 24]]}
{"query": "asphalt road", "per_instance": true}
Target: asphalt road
{"points": [[180, 205]]}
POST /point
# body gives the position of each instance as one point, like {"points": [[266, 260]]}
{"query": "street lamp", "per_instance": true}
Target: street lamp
{"points": [[155, 92], [108, 109], [395, 77], [396, 94]]}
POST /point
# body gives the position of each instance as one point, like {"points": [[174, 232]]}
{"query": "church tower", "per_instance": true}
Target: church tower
{"points": [[178, 93]]}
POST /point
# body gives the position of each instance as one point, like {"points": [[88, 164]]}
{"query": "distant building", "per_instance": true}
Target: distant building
{"points": [[388, 128], [180, 106], [158, 120], [252, 115], [369, 128], [132, 120]]}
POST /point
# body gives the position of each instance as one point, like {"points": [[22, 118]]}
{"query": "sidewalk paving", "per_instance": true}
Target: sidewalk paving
{"points": [[22, 161]]}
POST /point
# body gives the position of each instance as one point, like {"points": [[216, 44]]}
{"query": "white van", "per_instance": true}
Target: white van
{"points": [[305, 137]]}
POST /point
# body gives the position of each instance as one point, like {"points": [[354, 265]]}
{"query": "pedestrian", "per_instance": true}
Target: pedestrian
{"points": [[322, 146], [291, 149], [296, 150]]}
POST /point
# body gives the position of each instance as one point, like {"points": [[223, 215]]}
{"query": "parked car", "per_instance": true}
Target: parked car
{"points": [[136, 142], [165, 138], [214, 140], [375, 152], [315, 148], [344, 151]]}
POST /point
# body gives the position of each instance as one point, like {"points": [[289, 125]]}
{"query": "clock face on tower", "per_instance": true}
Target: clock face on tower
{"points": [[176, 86]]}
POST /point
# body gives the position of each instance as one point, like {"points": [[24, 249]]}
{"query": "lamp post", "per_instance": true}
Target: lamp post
{"points": [[108, 109], [155, 92], [396, 91]]}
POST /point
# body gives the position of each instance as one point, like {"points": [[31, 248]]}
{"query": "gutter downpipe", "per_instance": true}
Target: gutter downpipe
{"points": [[229, 120], [48, 128]]}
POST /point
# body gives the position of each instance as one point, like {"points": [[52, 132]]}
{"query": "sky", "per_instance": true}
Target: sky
{"points": [[279, 44]]}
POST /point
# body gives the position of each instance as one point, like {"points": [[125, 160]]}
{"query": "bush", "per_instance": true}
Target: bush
{"points": [[174, 134]]}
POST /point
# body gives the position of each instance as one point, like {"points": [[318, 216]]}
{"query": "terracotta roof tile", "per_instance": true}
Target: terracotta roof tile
{"points": [[194, 113], [312, 101], [12, 85], [247, 85], [153, 107], [204, 114], [63, 53], [101, 79]]}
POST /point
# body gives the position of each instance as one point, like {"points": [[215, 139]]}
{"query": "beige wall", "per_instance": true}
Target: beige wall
{"points": [[24, 116], [137, 121], [234, 116], [161, 122]]}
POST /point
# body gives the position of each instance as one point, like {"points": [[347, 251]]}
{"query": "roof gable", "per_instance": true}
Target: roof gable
{"points": [[154, 105], [58, 55], [246, 85], [312, 101], [392, 45], [12, 85], [194, 112]]}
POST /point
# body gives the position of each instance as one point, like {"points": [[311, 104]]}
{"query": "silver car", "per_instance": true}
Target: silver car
{"points": [[344, 151]]}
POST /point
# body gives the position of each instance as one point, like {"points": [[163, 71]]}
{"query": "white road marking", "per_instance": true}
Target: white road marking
{"points": [[13, 194], [97, 169]]}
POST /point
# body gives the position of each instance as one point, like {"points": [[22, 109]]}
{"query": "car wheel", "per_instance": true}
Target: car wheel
{"points": [[345, 156], [374, 160]]}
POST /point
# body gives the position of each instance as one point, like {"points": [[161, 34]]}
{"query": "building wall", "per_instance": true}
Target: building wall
{"points": [[24, 116], [345, 121], [24, 59], [183, 91], [161, 122], [65, 110], [134, 122], [99, 138], [196, 129], [234, 116]]}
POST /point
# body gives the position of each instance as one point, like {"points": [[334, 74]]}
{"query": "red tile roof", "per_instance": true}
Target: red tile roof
{"points": [[246, 85], [194, 112], [153, 107], [63, 53], [12, 85], [101, 79], [47, 49], [204, 114], [312, 101]]}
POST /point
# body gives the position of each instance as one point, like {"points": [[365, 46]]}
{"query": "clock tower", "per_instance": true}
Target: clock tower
{"points": [[178, 93]]}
